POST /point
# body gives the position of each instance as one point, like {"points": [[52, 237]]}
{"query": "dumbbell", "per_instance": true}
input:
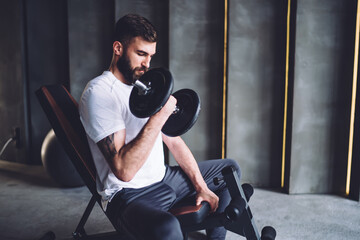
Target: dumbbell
{"points": [[150, 94]]}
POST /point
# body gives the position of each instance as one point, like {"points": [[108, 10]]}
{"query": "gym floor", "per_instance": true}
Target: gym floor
{"points": [[32, 204]]}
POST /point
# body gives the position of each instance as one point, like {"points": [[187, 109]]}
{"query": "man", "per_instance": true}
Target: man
{"points": [[137, 188]]}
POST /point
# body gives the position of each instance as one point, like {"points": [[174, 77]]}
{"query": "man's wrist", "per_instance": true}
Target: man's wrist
{"points": [[200, 188], [159, 119]]}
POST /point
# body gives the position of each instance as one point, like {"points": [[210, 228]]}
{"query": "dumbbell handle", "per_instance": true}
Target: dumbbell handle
{"points": [[143, 88], [176, 110]]}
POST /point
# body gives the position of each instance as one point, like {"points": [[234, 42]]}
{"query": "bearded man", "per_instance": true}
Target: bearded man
{"points": [[136, 186]]}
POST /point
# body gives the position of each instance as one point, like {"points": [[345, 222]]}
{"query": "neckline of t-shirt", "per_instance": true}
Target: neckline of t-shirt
{"points": [[117, 81]]}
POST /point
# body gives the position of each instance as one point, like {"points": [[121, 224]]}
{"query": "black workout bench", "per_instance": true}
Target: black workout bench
{"points": [[62, 111]]}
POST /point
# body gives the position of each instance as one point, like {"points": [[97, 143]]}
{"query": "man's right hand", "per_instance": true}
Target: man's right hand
{"points": [[166, 111]]}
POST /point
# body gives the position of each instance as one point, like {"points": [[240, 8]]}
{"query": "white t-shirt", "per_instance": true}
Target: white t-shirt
{"points": [[104, 109]]}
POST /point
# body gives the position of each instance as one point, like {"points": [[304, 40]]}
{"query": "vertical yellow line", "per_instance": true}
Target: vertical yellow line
{"points": [[224, 80], [286, 93], [353, 101]]}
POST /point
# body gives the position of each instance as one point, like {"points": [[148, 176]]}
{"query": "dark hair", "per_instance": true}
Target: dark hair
{"points": [[133, 25]]}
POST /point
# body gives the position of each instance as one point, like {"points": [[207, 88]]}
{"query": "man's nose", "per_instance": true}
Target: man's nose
{"points": [[146, 62]]}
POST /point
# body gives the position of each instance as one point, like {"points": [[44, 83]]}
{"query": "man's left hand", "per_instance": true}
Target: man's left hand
{"points": [[208, 196]]}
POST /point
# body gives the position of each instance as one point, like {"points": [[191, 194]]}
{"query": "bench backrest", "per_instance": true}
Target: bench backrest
{"points": [[62, 111]]}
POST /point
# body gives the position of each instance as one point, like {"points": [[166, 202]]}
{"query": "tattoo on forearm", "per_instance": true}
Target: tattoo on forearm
{"points": [[107, 146]]}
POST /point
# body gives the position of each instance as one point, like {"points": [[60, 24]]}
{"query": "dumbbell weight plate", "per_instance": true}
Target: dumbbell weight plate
{"points": [[161, 85], [188, 103]]}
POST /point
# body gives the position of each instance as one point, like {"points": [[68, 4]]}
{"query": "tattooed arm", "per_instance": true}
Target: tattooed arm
{"points": [[126, 159]]}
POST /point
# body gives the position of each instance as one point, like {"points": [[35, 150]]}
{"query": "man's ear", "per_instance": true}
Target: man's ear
{"points": [[118, 48]]}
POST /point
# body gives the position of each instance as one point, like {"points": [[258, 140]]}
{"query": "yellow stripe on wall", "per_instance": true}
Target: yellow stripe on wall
{"points": [[223, 134], [353, 101], [286, 93]]}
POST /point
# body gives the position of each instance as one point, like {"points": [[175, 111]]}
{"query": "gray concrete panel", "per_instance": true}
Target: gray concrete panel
{"points": [[255, 89], [12, 99], [321, 94], [47, 60], [196, 62], [90, 41]]}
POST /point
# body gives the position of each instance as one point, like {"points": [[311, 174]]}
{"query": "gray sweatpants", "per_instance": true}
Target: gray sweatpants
{"points": [[144, 212]]}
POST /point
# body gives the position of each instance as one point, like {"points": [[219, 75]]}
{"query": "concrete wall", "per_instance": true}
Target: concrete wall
{"points": [[196, 62], [47, 61], [12, 98], [322, 49], [321, 101], [90, 33], [255, 89], [34, 52]]}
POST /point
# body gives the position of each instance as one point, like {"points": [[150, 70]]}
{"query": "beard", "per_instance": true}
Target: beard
{"points": [[129, 73]]}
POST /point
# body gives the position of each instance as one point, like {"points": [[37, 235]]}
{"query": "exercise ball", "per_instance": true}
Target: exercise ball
{"points": [[57, 163]]}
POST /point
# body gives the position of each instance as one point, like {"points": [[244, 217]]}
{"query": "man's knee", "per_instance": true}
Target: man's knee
{"points": [[167, 227], [234, 164]]}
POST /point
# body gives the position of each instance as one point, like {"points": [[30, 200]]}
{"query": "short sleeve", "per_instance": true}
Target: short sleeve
{"points": [[100, 113]]}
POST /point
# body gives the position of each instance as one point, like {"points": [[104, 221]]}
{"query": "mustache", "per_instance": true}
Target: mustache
{"points": [[145, 69]]}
